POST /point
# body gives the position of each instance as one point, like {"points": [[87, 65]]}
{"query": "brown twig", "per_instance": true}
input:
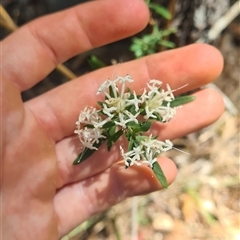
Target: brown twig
{"points": [[7, 22], [171, 9], [66, 71]]}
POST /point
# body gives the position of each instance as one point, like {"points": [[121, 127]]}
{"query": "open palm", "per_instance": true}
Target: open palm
{"points": [[44, 196]]}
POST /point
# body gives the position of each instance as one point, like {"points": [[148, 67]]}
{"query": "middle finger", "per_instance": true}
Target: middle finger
{"points": [[194, 65]]}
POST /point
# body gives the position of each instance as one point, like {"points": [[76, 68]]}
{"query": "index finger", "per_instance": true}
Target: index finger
{"points": [[34, 50]]}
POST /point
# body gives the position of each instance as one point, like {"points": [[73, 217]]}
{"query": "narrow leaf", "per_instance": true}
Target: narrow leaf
{"points": [[162, 11], [87, 152], [114, 138], [89, 126], [133, 125], [160, 175], [111, 91], [108, 124], [158, 117], [178, 101], [100, 104], [130, 144], [167, 43], [95, 62], [146, 126], [141, 127], [139, 138], [112, 130], [168, 31]]}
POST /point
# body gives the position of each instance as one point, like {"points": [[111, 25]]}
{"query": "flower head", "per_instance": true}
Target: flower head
{"points": [[90, 136], [146, 150], [157, 102], [132, 157], [118, 102], [124, 112], [89, 127]]}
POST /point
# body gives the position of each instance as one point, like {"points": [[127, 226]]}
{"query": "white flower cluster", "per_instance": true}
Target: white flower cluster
{"points": [[90, 135], [151, 101], [154, 99], [147, 151], [121, 110], [118, 102]]}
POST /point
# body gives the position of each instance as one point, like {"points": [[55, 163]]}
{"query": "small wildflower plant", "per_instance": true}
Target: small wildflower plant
{"points": [[124, 112]]}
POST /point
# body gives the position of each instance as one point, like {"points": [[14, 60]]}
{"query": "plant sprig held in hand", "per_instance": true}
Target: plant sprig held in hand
{"points": [[124, 112]]}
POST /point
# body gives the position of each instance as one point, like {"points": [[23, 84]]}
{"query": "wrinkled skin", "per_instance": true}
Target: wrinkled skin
{"points": [[43, 195]]}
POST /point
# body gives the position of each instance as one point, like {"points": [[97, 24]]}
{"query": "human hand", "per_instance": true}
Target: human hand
{"points": [[43, 195]]}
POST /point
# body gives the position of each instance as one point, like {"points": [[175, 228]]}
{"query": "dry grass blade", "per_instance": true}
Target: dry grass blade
{"points": [[6, 21], [66, 71]]}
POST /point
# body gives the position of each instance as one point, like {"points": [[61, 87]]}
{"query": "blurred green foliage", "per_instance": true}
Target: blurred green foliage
{"points": [[95, 62], [150, 43]]}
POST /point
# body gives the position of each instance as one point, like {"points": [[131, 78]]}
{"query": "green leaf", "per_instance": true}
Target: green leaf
{"points": [[145, 45], [158, 117], [169, 31], [141, 127], [130, 144], [162, 11], [139, 138], [95, 62], [133, 126], [108, 124], [111, 91], [167, 43], [131, 109], [89, 126], [112, 130], [146, 126], [86, 153], [100, 104], [159, 174], [178, 101], [113, 139]]}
